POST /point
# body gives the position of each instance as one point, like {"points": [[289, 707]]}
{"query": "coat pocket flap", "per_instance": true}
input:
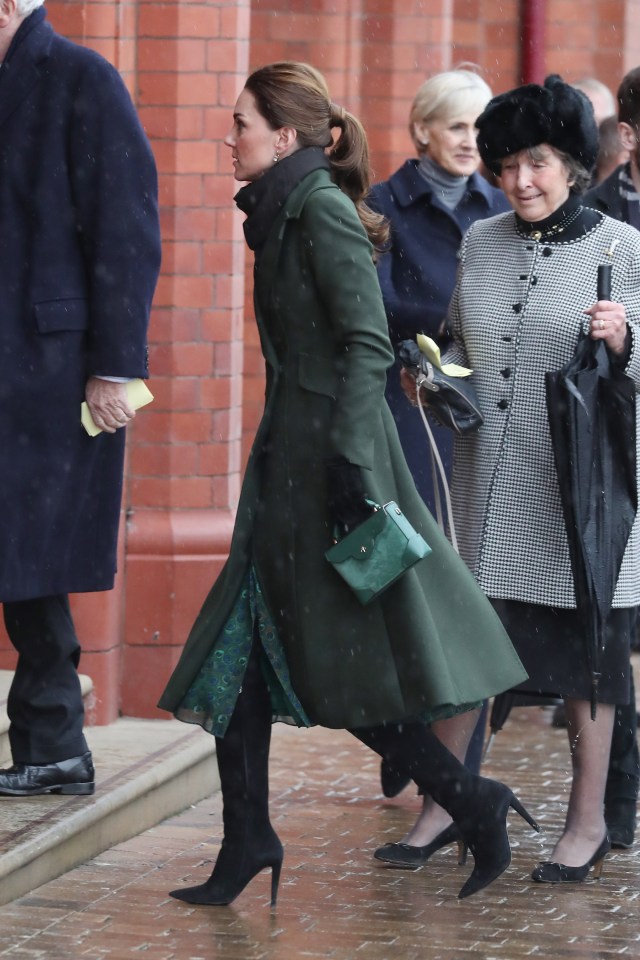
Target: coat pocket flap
{"points": [[318, 374], [59, 315]]}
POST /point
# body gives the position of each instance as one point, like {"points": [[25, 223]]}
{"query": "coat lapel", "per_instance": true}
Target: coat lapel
{"points": [[18, 82], [20, 73], [291, 210]]}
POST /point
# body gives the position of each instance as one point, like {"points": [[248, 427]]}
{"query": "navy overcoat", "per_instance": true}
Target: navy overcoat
{"points": [[417, 277], [79, 258]]}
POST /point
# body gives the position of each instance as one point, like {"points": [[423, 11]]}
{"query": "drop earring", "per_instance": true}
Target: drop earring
{"points": [[276, 157]]}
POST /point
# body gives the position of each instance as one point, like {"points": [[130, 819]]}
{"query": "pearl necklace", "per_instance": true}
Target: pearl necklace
{"points": [[557, 228]]}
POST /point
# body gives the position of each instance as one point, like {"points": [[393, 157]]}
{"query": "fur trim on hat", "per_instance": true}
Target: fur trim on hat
{"points": [[555, 113]]}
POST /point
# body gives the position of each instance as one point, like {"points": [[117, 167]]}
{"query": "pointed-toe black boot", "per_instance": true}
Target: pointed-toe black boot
{"points": [[477, 805], [250, 843], [239, 861], [485, 832], [392, 780]]}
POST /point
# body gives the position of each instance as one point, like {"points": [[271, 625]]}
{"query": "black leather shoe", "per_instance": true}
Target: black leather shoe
{"points": [[620, 817], [73, 776]]}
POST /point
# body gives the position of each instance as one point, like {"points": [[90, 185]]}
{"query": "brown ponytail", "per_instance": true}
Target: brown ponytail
{"points": [[290, 94], [349, 160]]}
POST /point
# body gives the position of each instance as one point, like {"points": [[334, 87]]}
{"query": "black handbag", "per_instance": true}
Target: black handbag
{"points": [[379, 550], [452, 401]]}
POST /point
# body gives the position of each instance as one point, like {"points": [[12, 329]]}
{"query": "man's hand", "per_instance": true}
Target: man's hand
{"points": [[108, 404]]}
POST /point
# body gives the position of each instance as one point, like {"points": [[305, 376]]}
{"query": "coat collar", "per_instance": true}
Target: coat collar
{"points": [[20, 71], [291, 210], [317, 180], [409, 186], [264, 198]]}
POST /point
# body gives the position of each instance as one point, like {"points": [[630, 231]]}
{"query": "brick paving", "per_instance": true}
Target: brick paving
{"points": [[336, 902]]}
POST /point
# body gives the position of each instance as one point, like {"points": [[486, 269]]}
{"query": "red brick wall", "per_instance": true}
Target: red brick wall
{"points": [[185, 456], [184, 62]]}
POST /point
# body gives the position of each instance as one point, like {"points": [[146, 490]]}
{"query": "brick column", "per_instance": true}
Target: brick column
{"points": [[185, 449]]}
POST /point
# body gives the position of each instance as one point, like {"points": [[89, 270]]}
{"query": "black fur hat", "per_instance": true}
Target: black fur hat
{"points": [[555, 113]]}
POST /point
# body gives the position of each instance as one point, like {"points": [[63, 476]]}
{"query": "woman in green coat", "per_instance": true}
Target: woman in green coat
{"points": [[280, 635]]}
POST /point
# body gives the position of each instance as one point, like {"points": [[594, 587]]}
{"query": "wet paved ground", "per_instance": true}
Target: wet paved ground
{"points": [[335, 901]]}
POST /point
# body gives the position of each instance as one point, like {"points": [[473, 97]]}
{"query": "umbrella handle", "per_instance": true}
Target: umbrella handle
{"points": [[604, 281]]}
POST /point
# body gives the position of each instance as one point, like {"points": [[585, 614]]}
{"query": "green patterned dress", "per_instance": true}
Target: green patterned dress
{"points": [[211, 699]]}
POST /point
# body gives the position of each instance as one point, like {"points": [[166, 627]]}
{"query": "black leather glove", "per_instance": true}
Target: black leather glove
{"points": [[346, 494]]}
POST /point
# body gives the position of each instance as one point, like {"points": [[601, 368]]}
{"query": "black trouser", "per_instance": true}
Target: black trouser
{"points": [[45, 706]]}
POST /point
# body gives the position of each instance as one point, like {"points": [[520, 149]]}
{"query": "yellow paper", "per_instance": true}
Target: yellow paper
{"points": [[431, 351], [138, 395]]}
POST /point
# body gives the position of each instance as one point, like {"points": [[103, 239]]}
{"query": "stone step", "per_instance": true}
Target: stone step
{"points": [[146, 770]]}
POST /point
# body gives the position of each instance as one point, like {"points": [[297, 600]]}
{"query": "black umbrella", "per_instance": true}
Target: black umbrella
{"points": [[592, 419]]}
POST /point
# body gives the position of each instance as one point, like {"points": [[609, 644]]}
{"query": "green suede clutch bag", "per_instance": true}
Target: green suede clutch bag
{"points": [[375, 554]]}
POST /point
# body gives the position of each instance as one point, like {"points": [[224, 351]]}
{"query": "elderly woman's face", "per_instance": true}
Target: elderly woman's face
{"points": [[451, 143], [535, 182]]}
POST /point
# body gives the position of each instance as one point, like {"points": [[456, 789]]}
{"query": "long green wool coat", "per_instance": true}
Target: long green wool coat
{"points": [[432, 639]]}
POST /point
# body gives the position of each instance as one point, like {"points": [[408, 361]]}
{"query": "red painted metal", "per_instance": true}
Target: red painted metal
{"points": [[532, 41]]}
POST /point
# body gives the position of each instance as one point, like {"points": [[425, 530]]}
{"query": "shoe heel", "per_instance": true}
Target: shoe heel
{"points": [[77, 789], [275, 881], [463, 850], [524, 813], [597, 868]]}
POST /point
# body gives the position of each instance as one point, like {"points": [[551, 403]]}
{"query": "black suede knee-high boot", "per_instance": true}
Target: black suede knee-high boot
{"points": [[478, 806], [250, 843]]}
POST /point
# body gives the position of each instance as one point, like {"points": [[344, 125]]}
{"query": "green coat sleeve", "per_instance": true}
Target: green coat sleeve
{"points": [[340, 257]]}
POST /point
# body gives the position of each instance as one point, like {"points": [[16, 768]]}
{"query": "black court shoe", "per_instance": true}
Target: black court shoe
{"points": [[550, 872], [407, 857]]}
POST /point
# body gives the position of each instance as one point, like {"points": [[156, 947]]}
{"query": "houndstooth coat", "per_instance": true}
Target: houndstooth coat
{"points": [[518, 311]]}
